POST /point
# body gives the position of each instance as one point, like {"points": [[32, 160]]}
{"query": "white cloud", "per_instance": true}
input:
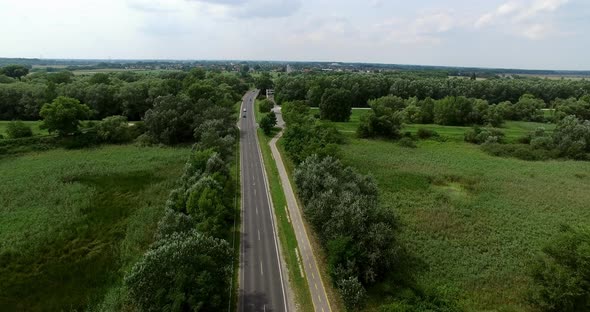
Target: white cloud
{"points": [[426, 28], [525, 18]]}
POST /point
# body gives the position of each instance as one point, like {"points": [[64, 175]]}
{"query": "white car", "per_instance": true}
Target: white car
{"points": [[244, 110]]}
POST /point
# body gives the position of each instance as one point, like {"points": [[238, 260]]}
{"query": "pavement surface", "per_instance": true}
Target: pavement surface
{"points": [[263, 285], [314, 279]]}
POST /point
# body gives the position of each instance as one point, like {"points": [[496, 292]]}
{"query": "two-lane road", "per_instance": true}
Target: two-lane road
{"points": [[262, 284]]}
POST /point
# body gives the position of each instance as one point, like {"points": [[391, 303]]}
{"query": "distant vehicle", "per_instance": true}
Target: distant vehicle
{"points": [[244, 110], [244, 116]]}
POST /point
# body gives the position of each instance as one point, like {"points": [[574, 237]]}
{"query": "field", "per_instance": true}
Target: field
{"points": [[33, 124], [474, 220], [68, 237], [512, 129]]}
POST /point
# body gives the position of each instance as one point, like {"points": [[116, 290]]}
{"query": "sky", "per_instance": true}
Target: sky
{"points": [[528, 34]]}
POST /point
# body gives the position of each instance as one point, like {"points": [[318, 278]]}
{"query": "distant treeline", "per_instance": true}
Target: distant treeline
{"points": [[122, 93], [364, 87]]}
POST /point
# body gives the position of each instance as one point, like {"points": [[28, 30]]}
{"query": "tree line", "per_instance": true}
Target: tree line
{"points": [[124, 93], [364, 87]]}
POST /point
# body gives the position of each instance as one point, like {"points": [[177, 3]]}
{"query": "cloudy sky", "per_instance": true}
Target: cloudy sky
{"points": [[544, 34]]}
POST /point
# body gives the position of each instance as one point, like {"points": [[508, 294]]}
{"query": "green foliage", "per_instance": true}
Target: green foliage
{"points": [[263, 82], [579, 108], [184, 271], [572, 138], [561, 274], [63, 115], [114, 129], [14, 71], [424, 133], [268, 122], [528, 108], [343, 208], [336, 105], [18, 129], [384, 119], [407, 142], [172, 119], [265, 106], [477, 135], [295, 112]]}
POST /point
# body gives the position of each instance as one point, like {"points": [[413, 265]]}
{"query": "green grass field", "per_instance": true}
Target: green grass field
{"points": [[475, 220], [33, 124], [74, 221]]}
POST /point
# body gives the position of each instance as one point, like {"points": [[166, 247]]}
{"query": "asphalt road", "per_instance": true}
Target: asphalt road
{"points": [[310, 267], [262, 284]]}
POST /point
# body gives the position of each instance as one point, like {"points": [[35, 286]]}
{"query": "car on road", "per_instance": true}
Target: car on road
{"points": [[244, 110]]}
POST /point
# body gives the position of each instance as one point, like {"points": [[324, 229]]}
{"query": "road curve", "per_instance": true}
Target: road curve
{"points": [[314, 279], [263, 287]]}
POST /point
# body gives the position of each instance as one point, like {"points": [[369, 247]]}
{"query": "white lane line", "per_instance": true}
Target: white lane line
{"points": [[254, 192], [261, 271], [312, 275], [258, 234], [256, 210], [319, 298], [316, 285]]}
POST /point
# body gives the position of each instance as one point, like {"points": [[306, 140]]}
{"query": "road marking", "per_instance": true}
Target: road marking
{"points": [[254, 192], [256, 210], [261, 271], [258, 234], [312, 275], [319, 298], [316, 285]]}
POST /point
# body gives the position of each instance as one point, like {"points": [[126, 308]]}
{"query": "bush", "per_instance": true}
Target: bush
{"points": [[572, 138], [407, 142], [113, 129], [18, 129], [265, 106], [561, 273], [424, 133], [63, 115], [520, 151], [268, 122], [182, 272], [477, 135]]}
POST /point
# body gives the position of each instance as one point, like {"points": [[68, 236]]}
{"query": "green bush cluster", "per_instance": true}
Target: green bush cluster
{"points": [[357, 233], [306, 135], [18, 129], [265, 106], [268, 122], [561, 273], [477, 135]]}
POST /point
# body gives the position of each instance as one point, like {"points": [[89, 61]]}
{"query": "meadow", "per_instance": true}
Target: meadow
{"points": [[74, 221], [472, 221]]}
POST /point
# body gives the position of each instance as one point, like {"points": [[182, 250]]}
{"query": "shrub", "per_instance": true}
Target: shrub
{"points": [[407, 142], [63, 115], [561, 273], [424, 133], [268, 122], [113, 129], [18, 129], [479, 135], [265, 106], [520, 151], [572, 137], [182, 272]]}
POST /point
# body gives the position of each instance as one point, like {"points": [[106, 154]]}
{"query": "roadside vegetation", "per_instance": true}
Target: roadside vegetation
{"points": [[469, 231], [133, 230]]}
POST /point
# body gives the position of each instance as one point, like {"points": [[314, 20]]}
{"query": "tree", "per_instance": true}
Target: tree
{"points": [[113, 129], [268, 122], [561, 273], [265, 106], [18, 129], [14, 71], [182, 272], [336, 105], [384, 119], [173, 118], [63, 115], [572, 137], [263, 82]]}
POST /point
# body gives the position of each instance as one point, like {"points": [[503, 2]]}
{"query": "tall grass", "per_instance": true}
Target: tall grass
{"points": [[475, 220], [72, 222]]}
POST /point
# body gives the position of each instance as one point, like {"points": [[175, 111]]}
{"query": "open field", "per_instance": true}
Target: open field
{"points": [[475, 220], [33, 124], [68, 238], [512, 129]]}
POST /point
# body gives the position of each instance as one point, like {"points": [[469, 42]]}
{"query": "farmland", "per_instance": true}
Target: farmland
{"points": [[68, 238], [475, 221]]}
